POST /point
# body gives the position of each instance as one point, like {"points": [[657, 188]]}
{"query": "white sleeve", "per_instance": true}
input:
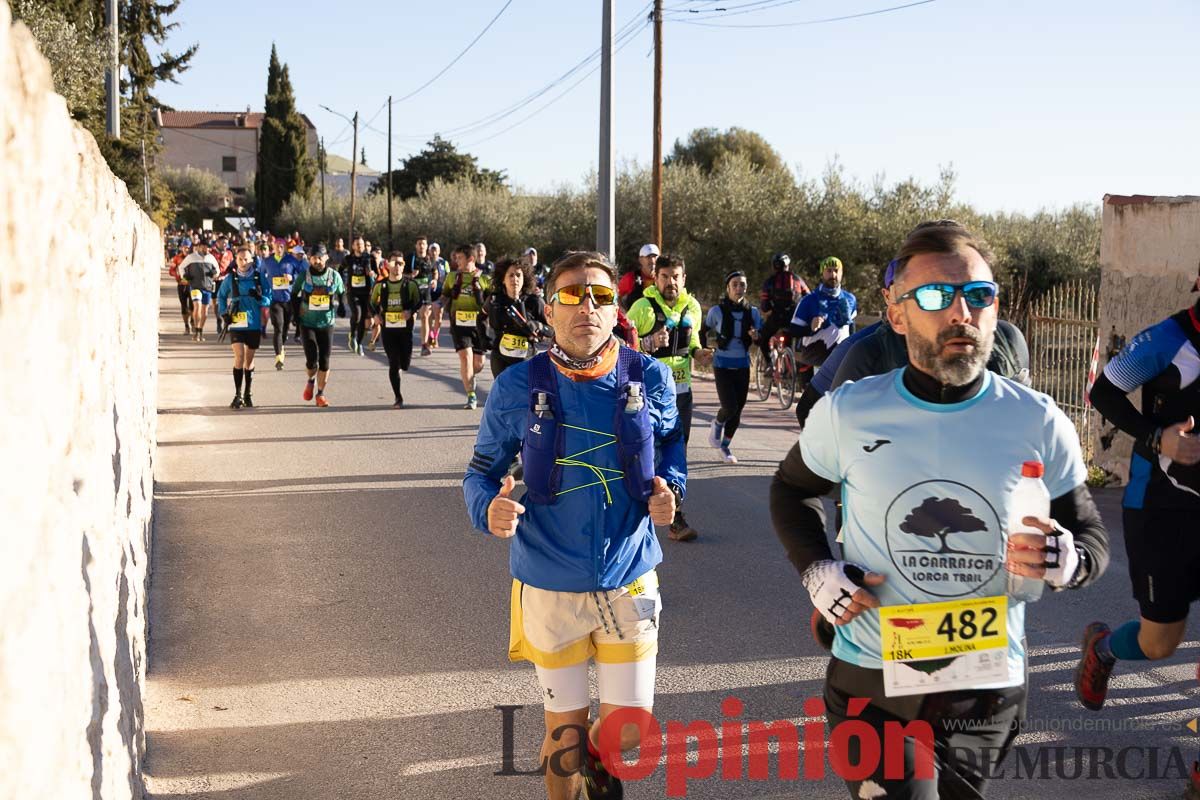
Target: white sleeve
{"points": [[818, 441], [1062, 458]]}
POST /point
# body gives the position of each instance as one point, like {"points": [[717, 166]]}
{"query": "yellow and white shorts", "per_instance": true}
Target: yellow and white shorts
{"points": [[560, 632]]}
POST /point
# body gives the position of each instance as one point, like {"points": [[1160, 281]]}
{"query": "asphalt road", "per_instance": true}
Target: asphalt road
{"points": [[325, 623]]}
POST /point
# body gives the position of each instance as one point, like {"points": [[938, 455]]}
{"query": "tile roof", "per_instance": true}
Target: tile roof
{"points": [[216, 119]]}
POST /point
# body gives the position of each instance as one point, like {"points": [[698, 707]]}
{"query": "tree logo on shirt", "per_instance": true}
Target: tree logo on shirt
{"points": [[945, 538]]}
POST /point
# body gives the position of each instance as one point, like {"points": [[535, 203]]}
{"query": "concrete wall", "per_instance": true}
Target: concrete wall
{"points": [[77, 440], [1149, 253]]}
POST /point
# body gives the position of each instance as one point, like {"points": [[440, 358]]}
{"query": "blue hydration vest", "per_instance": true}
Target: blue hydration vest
{"points": [[544, 445]]}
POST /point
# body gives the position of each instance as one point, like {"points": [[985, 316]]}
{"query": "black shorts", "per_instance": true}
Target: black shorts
{"points": [[1164, 561], [465, 337], [252, 339]]}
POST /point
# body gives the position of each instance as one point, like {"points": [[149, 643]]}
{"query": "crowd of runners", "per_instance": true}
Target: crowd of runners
{"points": [[925, 420]]}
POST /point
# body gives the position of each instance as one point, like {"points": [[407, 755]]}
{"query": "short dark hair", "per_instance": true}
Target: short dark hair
{"points": [[943, 236], [423, 239], [467, 250], [501, 272], [356, 236], [575, 260], [669, 261], [396, 254]]}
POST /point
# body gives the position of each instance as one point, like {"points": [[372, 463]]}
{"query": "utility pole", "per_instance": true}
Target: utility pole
{"points": [[321, 166], [606, 223], [391, 244], [656, 193], [112, 77], [353, 178]]}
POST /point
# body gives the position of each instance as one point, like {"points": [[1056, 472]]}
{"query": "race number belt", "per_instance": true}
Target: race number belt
{"points": [[197, 294], [465, 317], [514, 346], [683, 378], [394, 317], [940, 647], [318, 302], [280, 282], [358, 281], [239, 319]]}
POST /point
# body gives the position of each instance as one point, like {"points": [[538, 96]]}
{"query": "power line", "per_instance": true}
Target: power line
{"points": [[803, 23], [454, 60], [629, 40], [766, 3], [500, 115]]}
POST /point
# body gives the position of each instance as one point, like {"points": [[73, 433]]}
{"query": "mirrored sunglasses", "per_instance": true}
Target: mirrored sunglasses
{"points": [[939, 296]]}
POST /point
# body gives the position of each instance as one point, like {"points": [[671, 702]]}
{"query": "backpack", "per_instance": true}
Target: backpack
{"points": [[544, 446], [725, 337]]}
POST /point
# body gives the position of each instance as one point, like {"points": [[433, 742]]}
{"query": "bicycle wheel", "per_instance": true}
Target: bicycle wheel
{"points": [[787, 379], [762, 374]]}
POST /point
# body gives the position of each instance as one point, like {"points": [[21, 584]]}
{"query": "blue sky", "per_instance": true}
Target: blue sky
{"points": [[1035, 103]]}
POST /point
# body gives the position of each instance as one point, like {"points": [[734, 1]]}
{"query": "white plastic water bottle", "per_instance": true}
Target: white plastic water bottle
{"points": [[1030, 498]]}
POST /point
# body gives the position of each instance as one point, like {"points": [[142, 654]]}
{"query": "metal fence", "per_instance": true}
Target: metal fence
{"points": [[1063, 330]]}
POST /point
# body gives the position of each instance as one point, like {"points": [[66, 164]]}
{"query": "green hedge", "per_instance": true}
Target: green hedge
{"points": [[735, 217]]}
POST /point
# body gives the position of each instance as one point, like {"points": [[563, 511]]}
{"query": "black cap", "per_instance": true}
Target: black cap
{"points": [[320, 250]]}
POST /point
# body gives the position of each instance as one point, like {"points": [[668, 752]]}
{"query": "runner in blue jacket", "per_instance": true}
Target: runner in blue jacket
{"points": [[245, 296], [604, 461]]}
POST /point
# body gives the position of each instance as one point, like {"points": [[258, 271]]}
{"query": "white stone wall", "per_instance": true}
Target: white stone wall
{"points": [[1149, 254], [79, 276]]}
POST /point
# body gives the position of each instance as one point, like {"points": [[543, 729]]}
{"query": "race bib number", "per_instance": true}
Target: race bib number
{"points": [[941, 647], [683, 379], [466, 318], [394, 317], [280, 282], [197, 294], [358, 281], [514, 346], [318, 302], [239, 319]]}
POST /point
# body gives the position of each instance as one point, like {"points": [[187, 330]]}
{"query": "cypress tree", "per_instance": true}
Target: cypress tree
{"points": [[284, 166]]}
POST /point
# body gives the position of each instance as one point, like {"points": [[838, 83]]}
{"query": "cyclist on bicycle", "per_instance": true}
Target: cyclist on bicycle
{"points": [[780, 294], [823, 318]]}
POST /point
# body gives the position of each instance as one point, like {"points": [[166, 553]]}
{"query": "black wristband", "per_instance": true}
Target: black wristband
{"points": [[1083, 570]]}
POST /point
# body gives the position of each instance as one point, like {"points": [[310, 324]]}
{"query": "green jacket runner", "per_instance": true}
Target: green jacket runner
{"points": [[678, 353]]}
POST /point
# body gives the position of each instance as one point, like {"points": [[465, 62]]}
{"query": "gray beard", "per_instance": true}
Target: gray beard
{"points": [[955, 369]]}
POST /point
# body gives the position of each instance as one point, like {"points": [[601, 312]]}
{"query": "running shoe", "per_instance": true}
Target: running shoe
{"points": [[1091, 676], [279, 362], [350, 341], [399, 401], [308, 391], [728, 455], [246, 401], [322, 402], [598, 782], [471, 403], [237, 401], [714, 434], [371, 346], [425, 350], [362, 351], [680, 531]]}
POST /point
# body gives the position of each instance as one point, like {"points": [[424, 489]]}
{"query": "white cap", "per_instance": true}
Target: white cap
{"points": [[530, 251], [648, 250]]}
